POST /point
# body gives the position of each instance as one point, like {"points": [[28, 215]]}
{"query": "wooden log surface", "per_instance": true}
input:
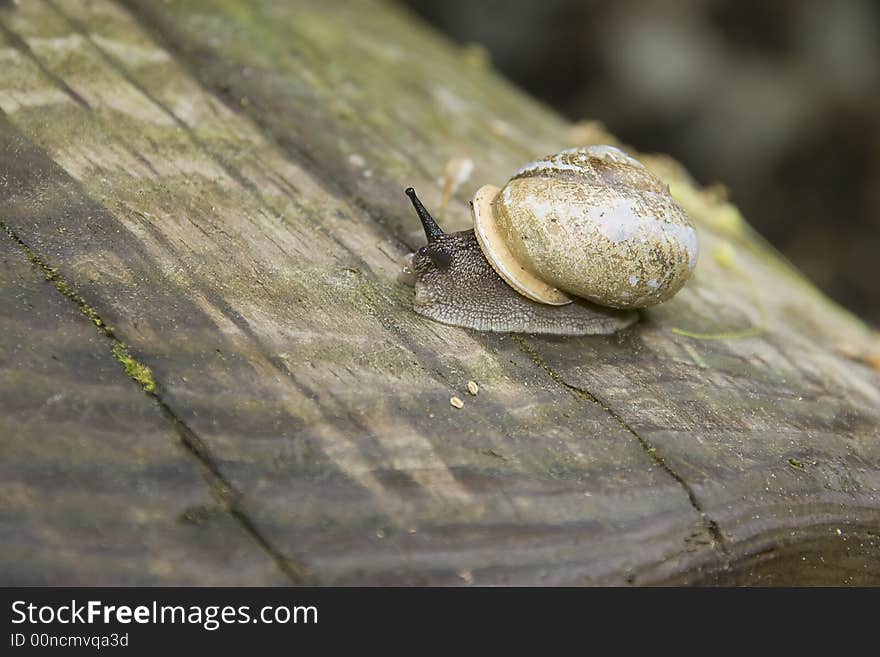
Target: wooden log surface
{"points": [[210, 373]]}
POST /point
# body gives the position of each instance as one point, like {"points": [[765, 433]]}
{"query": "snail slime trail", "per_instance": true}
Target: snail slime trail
{"points": [[571, 245]]}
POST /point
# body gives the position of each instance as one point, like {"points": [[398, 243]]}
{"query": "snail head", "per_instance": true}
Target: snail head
{"points": [[445, 261]]}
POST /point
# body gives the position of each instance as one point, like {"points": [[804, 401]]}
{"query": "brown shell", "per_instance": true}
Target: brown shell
{"points": [[588, 222]]}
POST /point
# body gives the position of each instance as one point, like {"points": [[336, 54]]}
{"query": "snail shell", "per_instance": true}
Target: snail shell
{"points": [[588, 222]]}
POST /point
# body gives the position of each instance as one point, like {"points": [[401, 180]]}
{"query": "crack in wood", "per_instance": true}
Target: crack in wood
{"points": [[710, 524], [220, 486], [22, 46]]}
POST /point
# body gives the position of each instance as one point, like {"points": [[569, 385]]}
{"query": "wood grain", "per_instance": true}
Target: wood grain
{"points": [[96, 488]]}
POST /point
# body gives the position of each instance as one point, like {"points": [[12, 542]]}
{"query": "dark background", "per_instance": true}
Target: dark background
{"points": [[779, 100]]}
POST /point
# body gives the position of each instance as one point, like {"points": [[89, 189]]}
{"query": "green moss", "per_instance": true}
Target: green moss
{"points": [[134, 368]]}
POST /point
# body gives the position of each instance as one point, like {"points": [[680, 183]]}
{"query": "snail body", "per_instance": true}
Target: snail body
{"points": [[572, 244]]}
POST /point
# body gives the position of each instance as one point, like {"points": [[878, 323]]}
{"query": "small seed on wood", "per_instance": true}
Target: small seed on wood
{"points": [[473, 388], [456, 401]]}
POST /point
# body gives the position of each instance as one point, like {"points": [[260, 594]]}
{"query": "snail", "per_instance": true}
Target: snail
{"points": [[571, 245]]}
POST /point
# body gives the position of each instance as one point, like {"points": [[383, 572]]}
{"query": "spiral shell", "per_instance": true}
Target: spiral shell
{"points": [[589, 222]]}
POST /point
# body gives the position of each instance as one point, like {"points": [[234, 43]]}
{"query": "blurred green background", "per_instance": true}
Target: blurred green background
{"points": [[778, 100]]}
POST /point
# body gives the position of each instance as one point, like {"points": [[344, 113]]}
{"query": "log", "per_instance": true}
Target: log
{"points": [[211, 373]]}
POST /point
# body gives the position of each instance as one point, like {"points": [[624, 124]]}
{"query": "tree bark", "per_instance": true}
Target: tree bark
{"points": [[211, 374]]}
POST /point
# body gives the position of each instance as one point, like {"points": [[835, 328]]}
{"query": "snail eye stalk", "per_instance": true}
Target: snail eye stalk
{"points": [[432, 229]]}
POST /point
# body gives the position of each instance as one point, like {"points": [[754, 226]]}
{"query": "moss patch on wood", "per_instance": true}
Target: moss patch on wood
{"points": [[134, 368]]}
